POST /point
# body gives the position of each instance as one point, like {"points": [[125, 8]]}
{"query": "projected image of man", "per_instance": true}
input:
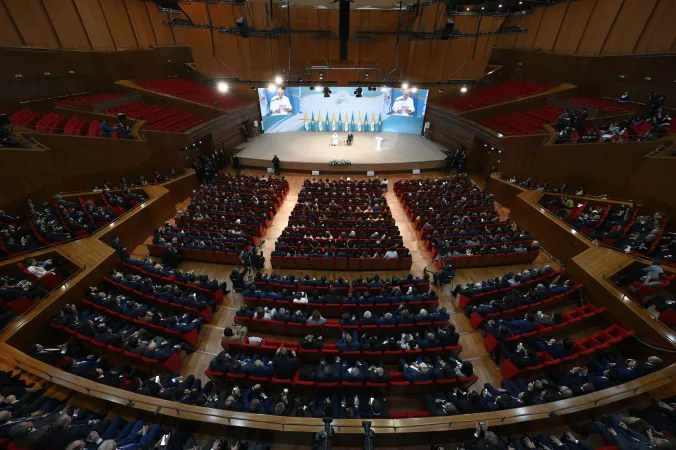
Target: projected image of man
{"points": [[280, 104], [403, 105]]}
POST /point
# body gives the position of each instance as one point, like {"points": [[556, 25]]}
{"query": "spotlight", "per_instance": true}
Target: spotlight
{"points": [[327, 91], [222, 87], [253, 88], [467, 9], [321, 75], [272, 87], [318, 88], [414, 90], [278, 79], [72, 72], [357, 92], [241, 22], [366, 75], [482, 8], [499, 6], [404, 85], [500, 135], [441, 89], [463, 89]]}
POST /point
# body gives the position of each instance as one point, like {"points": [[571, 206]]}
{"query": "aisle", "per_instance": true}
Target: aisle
{"points": [[471, 340]]}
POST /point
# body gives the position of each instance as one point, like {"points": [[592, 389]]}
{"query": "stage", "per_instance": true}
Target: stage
{"points": [[307, 151]]}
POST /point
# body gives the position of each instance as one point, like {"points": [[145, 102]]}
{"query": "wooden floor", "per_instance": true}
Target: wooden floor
{"points": [[471, 340]]}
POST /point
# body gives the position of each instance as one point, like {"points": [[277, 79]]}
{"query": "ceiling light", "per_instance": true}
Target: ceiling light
{"points": [[499, 6], [366, 75], [272, 87], [321, 75], [467, 9], [318, 88], [278, 79], [404, 85], [463, 89], [482, 7], [441, 89], [222, 87], [414, 90]]}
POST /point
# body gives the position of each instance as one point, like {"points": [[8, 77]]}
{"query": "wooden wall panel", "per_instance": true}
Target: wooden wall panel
{"points": [[9, 34], [658, 34], [531, 23], [549, 26], [164, 34], [95, 24], [33, 23], [119, 22], [602, 16], [67, 24], [508, 40], [628, 26], [140, 21], [459, 51], [484, 48], [573, 26]]}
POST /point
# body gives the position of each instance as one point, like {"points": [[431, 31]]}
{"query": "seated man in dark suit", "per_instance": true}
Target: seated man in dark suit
{"points": [[328, 373], [520, 355]]}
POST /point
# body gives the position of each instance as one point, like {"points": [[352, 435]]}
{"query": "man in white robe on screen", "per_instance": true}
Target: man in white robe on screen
{"points": [[334, 139], [403, 105], [280, 104]]}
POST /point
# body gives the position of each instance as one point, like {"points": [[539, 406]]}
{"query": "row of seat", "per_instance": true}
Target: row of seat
{"points": [[195, 254], [188, 90], [396, 386], [466, 300], [190, 337], [206, 313], [172, 364], [477, 320], [330, 327], [337, 310], [603, 105], [217, 294], [277, 285], [491, 259], [341, 263], [498, 93], [87, 99], [570, 319], [595, 343], [269, 347]]}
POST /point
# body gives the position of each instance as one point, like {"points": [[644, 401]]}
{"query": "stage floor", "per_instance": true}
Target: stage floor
{"points": [[302, 150]]}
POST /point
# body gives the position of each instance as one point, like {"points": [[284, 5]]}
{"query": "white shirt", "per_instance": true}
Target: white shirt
{"points": [[391, 254], [405, 105], [38, 271], [279, 105]]}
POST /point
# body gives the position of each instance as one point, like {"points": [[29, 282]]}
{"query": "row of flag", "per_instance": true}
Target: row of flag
{"points": [[359, 124]]}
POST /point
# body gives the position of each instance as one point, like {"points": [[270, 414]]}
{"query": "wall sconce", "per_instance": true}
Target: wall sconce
{"points": [[72, 72], [18, 75], [648, 78], [47, 74], [622, 77]]}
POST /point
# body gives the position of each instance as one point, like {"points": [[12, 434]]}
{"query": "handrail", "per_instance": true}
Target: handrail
{"points": [[645, 384]]}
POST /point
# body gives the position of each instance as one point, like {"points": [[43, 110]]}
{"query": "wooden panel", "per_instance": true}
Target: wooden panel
{"points": [[573, 26], [228, 47], [119, 23], [9, 35], [163, 33], [261, 48], [549, 26], [602, 17], [508, 40], [532, 24], [658, 34], [32, 21], [628, 26], [95, 24], [477, 66], [67, 24], [143, 29]]}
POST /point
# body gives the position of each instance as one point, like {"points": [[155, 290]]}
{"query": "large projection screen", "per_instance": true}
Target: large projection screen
{"points": [[303, 109]]}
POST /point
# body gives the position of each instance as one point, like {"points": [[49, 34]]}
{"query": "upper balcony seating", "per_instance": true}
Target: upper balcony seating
{"points": [[499, 93], [188, 90], [87, 99]]}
